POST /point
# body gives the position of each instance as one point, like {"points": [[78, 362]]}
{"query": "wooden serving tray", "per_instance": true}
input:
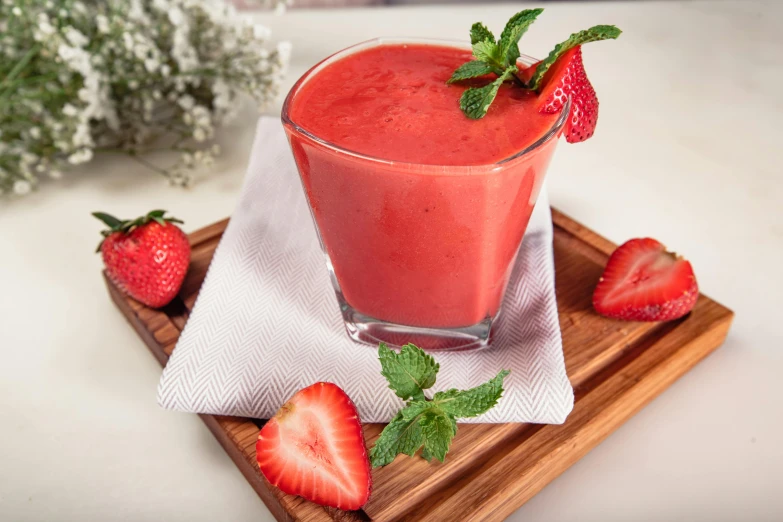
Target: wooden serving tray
{"points": [[616, 368]]}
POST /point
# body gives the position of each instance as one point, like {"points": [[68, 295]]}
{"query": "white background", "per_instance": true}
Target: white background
{"points": [[688, 150]]}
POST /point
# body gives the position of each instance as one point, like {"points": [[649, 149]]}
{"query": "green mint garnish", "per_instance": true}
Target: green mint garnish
{"points": [[409, 372], [488, 52], [515, 28], [429, 425], [475, 102], [479, 33], [473, 402], [499, 57], [438, 429], [472, 69], [594, 34]]}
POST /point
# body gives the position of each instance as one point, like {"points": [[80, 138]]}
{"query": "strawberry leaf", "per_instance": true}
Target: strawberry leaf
{"points": [[468, 70], [479, 33], [475, 102], [515, 28], [110, 221], [596, 33]]}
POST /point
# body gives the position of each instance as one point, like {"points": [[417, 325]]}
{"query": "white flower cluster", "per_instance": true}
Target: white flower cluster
{"points": [[79, 78]]}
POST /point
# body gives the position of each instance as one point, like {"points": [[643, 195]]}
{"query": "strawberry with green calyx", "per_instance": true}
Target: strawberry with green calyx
{"points": [[146, 257], [560, 76]]}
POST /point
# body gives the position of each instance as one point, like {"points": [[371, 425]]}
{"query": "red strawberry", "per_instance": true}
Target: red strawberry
{"points": [[644, 282], [314, 447], [147, 257], [567, 77]]}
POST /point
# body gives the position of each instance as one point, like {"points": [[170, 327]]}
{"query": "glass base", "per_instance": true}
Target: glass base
{"points": [[368, 330]]}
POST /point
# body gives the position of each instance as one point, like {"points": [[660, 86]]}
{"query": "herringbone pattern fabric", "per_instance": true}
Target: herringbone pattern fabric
{"points": [[266, 322]]}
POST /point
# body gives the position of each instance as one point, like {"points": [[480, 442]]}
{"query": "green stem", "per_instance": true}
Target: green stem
{"points": [[20, 65]]}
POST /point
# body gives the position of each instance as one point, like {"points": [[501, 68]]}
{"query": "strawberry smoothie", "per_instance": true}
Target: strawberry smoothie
{"points": [[420, 210]]}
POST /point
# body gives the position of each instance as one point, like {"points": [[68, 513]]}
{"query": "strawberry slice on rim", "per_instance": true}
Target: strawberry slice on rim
{"points": [[644, 282], [314, 447], [562, 75], [567, 77]]}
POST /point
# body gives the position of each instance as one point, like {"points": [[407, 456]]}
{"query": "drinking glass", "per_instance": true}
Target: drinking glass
{"points": [[417, 253]]}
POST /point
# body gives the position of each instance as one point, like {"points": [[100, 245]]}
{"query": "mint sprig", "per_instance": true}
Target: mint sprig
{"points": [[496, 56], [594, 34], [491, 56], [499, 57], [429, 425]]}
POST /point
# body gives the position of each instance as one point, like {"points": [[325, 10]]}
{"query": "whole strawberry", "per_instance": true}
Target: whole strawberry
{"points": [[146, 257]]}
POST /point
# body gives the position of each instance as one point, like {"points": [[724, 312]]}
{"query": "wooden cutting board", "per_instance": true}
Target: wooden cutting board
{"points": [[615, 367]]}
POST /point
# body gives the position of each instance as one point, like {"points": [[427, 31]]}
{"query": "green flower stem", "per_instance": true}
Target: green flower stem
{"points": [[18, 68]]}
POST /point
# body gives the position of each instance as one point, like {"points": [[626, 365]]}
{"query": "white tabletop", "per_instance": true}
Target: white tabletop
{"points": [[687, 151]]}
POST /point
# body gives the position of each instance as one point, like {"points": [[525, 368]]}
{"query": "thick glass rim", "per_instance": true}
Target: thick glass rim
{"points": [[287, 121]]}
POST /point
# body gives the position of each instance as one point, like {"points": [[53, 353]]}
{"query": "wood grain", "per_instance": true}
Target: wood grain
{"points": [[616, 368]]}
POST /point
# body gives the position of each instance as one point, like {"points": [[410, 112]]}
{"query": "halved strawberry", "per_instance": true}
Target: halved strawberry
{"points": [[568, 77], [314, 447], [644, 282]]}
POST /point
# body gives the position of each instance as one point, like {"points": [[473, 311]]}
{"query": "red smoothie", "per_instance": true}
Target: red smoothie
{"points": [[420, 215]]}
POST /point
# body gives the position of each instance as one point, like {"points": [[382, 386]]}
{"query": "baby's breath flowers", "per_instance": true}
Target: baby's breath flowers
{"points": [[83, 77]]}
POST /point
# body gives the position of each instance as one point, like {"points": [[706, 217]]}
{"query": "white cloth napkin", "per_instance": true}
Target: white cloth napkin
{"points": [[266, 322]]}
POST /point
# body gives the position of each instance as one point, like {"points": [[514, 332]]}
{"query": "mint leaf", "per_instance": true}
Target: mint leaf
{"points": [[598, 32], [415, 408], [479, 33], [515, 28], [438, 429], [489, 52], [472, 402], [399, 436], [409, 372], [468, 70], [475, 102], [422, 423]]}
